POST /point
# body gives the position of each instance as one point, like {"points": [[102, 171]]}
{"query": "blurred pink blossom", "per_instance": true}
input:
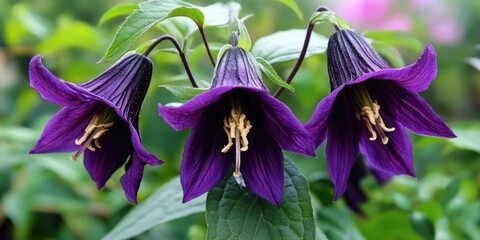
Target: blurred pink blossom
{"points": [[364, 10], [444, 26], [438, 16]]}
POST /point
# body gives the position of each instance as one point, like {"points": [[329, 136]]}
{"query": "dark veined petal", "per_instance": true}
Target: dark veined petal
{"points": [[114, 151], [138, 148], [283, 126], [349, 56], [237, 68], [134, 168], [64, 128], [317, 126], [415, 77], [50, 87], [342, 144], [133, 177], [124, 85], [203, 164], [262, 167], [395, 157], [189, 113], [412, 111]]}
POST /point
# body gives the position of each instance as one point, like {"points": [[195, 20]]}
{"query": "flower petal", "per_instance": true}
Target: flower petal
{"points": [[61, 131], [123, 86], [114, 151], [133, 177], [412, 111], [262, 167], [342, 144], [381, 176], [50, 87], [395, 157], [189, 113], [203, 164], [415, 77], [282, 125], [317, 126], [138, 148]]}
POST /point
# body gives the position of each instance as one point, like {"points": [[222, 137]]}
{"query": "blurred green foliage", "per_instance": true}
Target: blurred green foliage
{"points": [[51, 197]]}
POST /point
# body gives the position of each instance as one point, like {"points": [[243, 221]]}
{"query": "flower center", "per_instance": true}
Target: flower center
{"points": [[97, 127], [369, 112], [237, 127]]}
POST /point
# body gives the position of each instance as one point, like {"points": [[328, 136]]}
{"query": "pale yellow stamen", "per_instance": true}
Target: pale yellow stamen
{"points": [[90, 139], [237, 127], [371, 116]]}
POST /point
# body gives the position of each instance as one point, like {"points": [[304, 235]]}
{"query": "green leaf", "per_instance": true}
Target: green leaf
{"points": [[451, 191], [183, 92], [423, 226], [474, 62], [286, 45], [137, 24], [236, 213], [70, 34], [292, 5], [330, 17], [218, 14], [337, 223], [190, 12], [467, 137], [244, 40], [319, 235], [163, 206], [117, 11], [203, 17], [396, 38], [268, 70], [391, 55]]}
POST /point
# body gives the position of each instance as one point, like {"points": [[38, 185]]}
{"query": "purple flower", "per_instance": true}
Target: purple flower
{"points": [[237, 122], [351, 118], [99, 119]]}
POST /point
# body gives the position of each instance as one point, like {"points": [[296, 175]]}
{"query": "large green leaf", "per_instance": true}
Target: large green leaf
{"points": [[337, 223], [138, 23], [287, 45], [117, 11], [292, 5], [190, 12], [474, 62], [163, 206], [218, 14], [423, 226], [235, 213], [467, 136], [68, 35], [389, 53], [194, 18], [396, 38]]}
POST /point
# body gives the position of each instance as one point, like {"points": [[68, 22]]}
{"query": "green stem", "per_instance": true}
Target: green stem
{"points": [[179, 49]]}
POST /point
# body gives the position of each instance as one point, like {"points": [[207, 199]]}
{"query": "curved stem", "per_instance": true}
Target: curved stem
{"points": [[204, 39], [299, 62], [179, 49]]}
